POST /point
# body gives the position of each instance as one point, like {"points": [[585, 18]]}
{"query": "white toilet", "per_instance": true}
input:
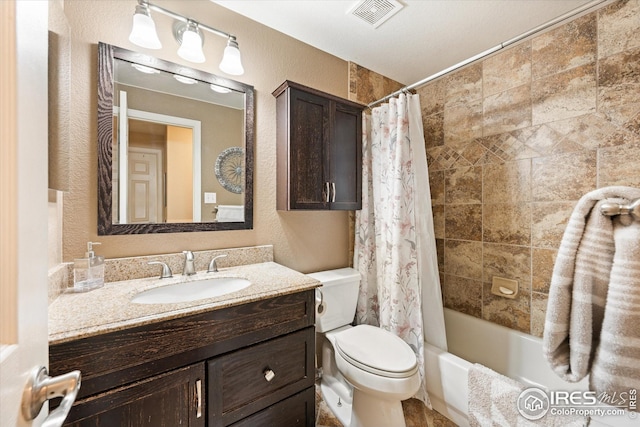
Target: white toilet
{"points": [[366, 371]]}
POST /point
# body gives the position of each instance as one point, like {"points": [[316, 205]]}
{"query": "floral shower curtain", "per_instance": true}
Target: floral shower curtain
{"points": [[395, 242]]}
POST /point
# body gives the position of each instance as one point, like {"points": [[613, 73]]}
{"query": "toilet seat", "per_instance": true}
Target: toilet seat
{"points": [[376, 351]]}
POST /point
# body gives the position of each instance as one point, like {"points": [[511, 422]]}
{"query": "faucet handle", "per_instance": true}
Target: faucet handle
{"points": [[166, 271], [213, 266]]}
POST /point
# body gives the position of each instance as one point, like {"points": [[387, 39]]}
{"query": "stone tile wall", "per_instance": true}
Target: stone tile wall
{"points": [[366, 86], [514, 141]]}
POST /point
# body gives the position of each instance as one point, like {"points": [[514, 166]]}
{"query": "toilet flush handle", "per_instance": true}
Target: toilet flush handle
{"points": [[319, 302], [269, 374]]}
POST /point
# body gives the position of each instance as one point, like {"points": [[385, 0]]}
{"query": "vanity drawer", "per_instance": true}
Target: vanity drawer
{"points": [[238, 383], [296, 411]]}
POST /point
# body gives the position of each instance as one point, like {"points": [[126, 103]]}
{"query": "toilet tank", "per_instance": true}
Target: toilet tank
{"points": [[339, 295]]}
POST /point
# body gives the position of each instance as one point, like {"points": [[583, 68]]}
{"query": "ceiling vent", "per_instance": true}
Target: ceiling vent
{"points": [[375, 12]]}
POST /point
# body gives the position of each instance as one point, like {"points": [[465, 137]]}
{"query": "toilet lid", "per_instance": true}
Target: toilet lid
{"points": [[376, 351]]}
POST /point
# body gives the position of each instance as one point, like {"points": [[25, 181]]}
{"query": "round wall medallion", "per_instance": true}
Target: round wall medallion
{"points": [[230, 169]]}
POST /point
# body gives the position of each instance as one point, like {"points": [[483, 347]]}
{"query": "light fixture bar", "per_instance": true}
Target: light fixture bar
{"points": [[185, 19], [187, 33]]}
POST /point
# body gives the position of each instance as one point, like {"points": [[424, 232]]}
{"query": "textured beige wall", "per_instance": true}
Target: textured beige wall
{"points": [[59, 63], [305, 241]]}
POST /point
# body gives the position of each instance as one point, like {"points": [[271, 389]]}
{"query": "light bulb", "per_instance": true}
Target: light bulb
{"points": [[143, 31], [185, 80], [191, 46], [145, 69], [231, 62], [219, 89]]}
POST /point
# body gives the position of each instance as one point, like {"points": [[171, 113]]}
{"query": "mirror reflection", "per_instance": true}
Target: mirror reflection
{"points": [[181, 148]]}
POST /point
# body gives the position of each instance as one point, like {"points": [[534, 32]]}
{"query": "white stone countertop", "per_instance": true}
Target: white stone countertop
{"points": [[80, 315]]}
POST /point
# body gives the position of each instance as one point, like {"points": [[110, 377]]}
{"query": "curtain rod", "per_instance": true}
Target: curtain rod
{"points": [[494, 49]]}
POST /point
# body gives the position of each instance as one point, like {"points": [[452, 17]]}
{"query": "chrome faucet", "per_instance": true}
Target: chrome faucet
{"points": [[213, 266], [166, 271], [189, 267]]}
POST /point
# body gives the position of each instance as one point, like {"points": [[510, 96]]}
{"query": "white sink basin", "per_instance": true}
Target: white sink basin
{"points": [[191, 291]]}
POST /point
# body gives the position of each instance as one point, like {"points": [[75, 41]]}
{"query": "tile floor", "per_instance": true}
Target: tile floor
{"points": [[415, 415]]}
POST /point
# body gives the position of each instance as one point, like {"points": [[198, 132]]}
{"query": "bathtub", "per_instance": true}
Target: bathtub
{"points": [[511, 353]]}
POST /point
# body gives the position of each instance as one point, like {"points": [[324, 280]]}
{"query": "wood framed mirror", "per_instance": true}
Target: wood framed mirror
{"points": [[175, 147]]}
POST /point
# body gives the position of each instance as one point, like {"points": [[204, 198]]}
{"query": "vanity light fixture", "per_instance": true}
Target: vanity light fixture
{"points": [[185, 80], [219, 89], [187, 33], [231, 63], [145, 69], [190, 39], [143, 32]]}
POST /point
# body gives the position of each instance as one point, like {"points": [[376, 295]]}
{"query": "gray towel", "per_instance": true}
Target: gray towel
{"points": [[493, 402], [593, 314]]}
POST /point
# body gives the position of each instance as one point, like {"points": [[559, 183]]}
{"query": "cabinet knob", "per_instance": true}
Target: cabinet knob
{"points": [[269, 375]]}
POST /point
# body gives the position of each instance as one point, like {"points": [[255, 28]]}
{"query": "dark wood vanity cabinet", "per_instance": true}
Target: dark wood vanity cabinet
{"points": [[166, 400], [246, 365], [319, 150]]}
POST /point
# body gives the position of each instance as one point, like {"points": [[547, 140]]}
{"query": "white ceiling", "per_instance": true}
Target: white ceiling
{"points": [[425, 37]]}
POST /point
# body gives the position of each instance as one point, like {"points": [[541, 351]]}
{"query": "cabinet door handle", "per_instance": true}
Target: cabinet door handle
{"points": [[327, 191], [269, 375], [41, 387], [198, 398], [333, 192]]}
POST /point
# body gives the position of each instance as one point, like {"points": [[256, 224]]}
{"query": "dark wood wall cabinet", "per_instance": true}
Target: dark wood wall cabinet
{"points": [[319, 150], [247, 365]]}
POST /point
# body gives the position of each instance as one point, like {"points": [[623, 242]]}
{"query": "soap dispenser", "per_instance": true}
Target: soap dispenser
{"points": [[88, 272]]}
